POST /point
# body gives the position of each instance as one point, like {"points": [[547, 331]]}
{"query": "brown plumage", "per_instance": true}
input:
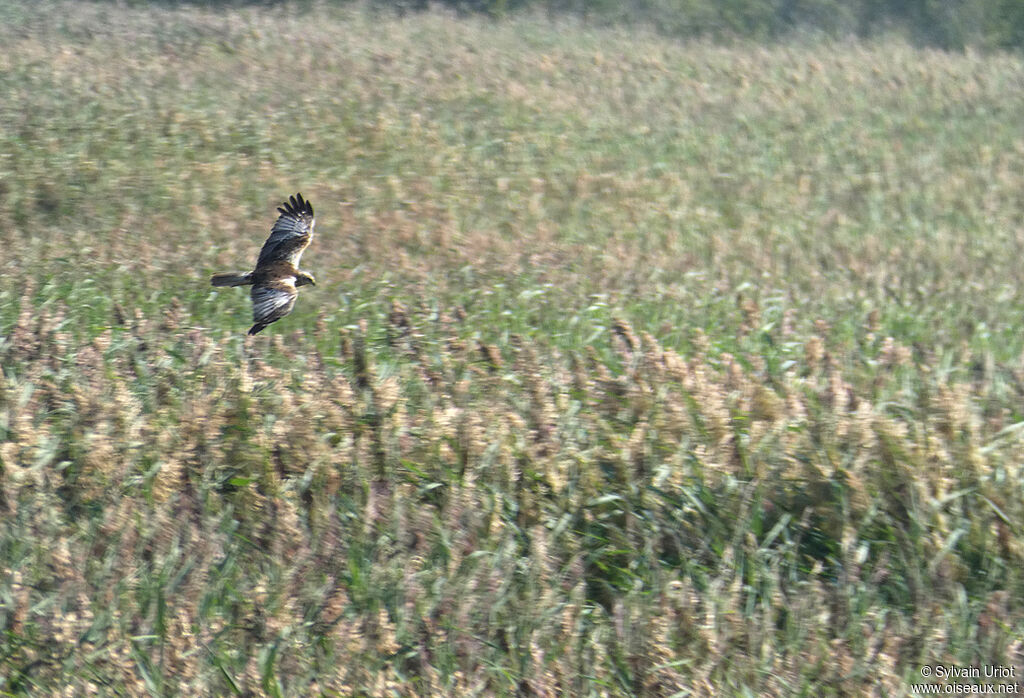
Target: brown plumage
{"points": [[276, 278]]}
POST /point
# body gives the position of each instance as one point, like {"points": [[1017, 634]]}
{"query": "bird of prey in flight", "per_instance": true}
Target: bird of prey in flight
{"points": [[276, 278]]}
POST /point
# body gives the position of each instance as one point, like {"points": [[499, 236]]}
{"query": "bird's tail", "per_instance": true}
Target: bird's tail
{"points": [[230, 279]]}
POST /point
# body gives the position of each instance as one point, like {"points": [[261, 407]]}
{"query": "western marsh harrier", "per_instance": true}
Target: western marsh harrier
{"points": [[277, 276]]}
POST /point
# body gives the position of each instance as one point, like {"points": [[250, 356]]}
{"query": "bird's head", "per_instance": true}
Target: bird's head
{"points": [[305, 278]]}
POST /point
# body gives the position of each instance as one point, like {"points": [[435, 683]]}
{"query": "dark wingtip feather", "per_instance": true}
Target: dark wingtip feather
{"points": [[296, 206]]}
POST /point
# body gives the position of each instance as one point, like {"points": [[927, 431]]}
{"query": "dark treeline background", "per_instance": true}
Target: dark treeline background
{"points": [[948, 24]]}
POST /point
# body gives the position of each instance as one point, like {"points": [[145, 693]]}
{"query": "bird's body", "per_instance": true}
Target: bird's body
{"points": [[277, 276]]}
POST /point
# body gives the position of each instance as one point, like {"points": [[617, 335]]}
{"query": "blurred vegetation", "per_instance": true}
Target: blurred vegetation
{"points": [[947, 24], [634, 367]]}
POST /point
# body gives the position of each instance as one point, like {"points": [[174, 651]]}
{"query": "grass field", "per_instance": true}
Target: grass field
{"points": [[634, 367]]}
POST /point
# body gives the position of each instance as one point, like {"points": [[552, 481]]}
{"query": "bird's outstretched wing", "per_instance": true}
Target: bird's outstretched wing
{"points": [[271, 301], [291, 233]]}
